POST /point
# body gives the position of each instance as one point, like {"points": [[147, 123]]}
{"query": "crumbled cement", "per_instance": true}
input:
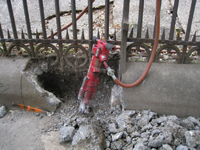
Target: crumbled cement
{"points": [[88, 137], [114, 128], [2, 111], [192, 138], [66, 134], [159, 132]]}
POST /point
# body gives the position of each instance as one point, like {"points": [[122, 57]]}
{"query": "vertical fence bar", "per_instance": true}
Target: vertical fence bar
{"points": [[124, 32], [3, 42], [57, 8], [12, 19], [140, 17], [73, 6], [107, 19], [42, 19], [90, 21], [192, 8], [171, 34], [26, 13]]}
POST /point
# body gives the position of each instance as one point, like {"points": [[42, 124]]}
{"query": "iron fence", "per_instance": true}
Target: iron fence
{"points": [[78, 58]]}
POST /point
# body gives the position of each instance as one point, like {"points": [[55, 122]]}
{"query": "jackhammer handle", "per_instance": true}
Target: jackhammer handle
{"points": [[110, 47]]}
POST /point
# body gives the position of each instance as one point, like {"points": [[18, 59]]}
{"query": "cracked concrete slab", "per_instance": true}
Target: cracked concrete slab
{"points": [[19, 87]]}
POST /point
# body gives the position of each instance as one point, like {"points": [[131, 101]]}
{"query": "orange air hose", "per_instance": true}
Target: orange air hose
{"points": [[152, 55]]}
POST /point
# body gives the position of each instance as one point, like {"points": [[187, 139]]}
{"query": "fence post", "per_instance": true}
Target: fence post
{"points": [[124, 33]]}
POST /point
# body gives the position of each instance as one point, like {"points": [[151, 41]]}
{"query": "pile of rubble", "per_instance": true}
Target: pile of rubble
{"points": [[144, 130]]}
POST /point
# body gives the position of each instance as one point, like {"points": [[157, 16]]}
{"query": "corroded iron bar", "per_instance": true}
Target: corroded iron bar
{"points": [[42, 18], [73, 7], [140, 17], [26, 13], [175, 8], [187, 34], [107, 19]]}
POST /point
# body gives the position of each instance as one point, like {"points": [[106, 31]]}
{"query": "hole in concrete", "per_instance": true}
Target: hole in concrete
{"points": [[59, 85], [67, 86]]}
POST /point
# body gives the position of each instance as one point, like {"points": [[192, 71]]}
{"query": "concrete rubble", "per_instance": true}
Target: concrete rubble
{"points": [[143, 130]]}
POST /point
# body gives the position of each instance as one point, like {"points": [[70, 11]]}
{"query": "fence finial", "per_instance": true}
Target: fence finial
{"points": [[37, 35], [22, 34], [147, 34], [178, 38], [98, 35], [131, 34], [52, 36], [163, 35], [1, 32], [67, 35], [114, 35], [8, 33], [82, 35], [194, 37]]}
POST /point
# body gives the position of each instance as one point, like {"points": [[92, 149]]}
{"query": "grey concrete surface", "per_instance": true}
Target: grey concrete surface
{"points": [[15, 86], [171, 89]]}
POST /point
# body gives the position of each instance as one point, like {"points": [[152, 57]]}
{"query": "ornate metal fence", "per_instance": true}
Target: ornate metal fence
{"points": [[75, 56]]}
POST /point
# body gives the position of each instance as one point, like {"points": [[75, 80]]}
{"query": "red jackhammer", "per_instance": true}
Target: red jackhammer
{"points": [[88, 89], [101, 51]]}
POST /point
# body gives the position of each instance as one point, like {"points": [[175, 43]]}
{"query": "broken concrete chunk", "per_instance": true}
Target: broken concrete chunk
{"points": [[88, 137], [118, 144], [2, 111], [66, 134], [82, 121], [192, 138], [44, 67], [157, 142], [140, 146], [143, 121], [38, 71], [123, 120], [182, 147], [112, 128], [116, 136], [165, 147]]}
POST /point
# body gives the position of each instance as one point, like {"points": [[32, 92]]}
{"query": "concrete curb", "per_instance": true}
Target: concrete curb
{"points": [[171, 89]]}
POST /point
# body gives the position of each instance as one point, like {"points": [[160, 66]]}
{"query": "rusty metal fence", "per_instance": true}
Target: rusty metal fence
{"points": [[75, 56]]}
